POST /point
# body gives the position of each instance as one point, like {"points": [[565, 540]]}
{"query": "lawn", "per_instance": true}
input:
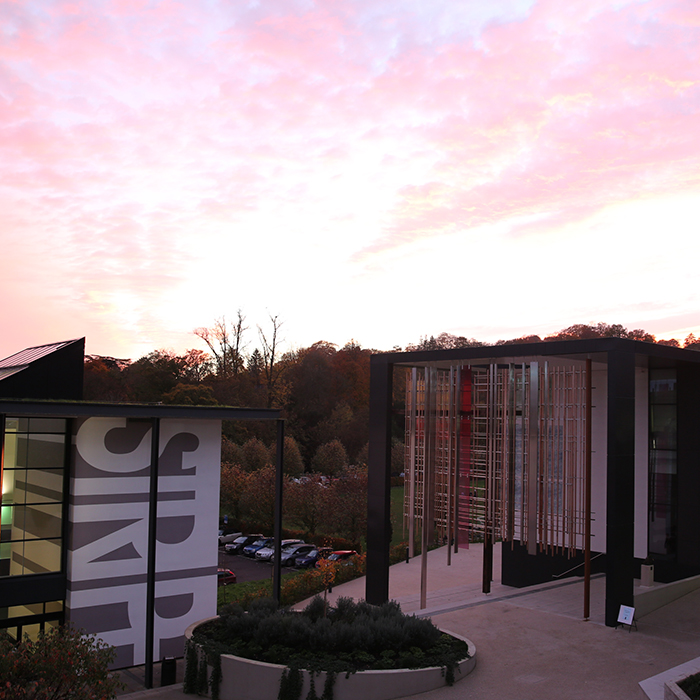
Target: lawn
{"points": [[397, 534]]}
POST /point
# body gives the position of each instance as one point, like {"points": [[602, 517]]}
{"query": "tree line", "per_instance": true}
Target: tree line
{"points": [[324, 393], [322, 389]]}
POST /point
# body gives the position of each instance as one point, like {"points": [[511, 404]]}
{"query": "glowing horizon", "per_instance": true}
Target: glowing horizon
{"points": [[376, 171]]}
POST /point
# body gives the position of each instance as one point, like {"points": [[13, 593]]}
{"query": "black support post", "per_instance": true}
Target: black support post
{"points": [[152, 541], [277, 534], [619, 580], [379, 481], [688, 489]]}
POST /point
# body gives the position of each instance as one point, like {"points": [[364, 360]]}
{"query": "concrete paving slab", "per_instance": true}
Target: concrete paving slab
{"points": [[532, 643]]}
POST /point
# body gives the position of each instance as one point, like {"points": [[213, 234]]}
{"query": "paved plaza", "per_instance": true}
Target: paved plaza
{"points": [[532, 644]]}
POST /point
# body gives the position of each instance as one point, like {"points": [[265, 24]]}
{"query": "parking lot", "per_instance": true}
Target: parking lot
{"points": [[246, 569]]}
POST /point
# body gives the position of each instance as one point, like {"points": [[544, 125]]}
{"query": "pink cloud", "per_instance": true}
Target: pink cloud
{"points": [[125, 126], [562, 125]]}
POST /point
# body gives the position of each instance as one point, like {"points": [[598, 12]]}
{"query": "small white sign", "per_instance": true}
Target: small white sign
{"points": [[626, 616]]}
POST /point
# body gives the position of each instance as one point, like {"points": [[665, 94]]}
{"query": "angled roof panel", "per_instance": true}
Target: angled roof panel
{"points": [[51, 371], [9, 371], [24, 357]]}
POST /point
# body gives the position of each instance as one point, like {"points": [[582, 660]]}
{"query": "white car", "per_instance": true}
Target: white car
{"points": [[228, 537], [266, 553]]}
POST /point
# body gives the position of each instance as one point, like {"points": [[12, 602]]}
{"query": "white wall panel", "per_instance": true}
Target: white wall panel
{"points": [[108, 548]]}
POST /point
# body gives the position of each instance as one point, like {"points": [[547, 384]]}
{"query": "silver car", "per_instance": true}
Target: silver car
{"points": [[266, 553], [289, 556]]}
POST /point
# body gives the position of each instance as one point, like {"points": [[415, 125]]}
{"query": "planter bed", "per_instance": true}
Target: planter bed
{"points": [[356, 674]]}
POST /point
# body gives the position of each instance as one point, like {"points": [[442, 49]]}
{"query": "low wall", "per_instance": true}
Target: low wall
{"points": [[650, 599], [246, 679], [672, 691]]}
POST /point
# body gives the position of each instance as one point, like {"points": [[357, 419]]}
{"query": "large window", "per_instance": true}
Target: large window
{"points": [[663, 485], [20, 620], [33, 471]]}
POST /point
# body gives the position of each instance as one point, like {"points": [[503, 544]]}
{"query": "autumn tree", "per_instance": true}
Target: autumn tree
{"points": [[255, 455], [304, 502], [104, 379], [336, 426], [293, 462], [233, 485], [257, 502], [521, 340], [256, 368], [691, 342], [190, 395], [153, 375], [640, 334], [330, 458], [197, 365], [584, 331], [444, 341], [311, 377], [346, 505], [231, 452]]}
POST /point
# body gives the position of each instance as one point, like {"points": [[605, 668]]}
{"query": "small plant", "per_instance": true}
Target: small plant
{"points": [[290, 684], [189, 684]]}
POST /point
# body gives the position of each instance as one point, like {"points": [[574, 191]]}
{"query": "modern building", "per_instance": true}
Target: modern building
{"points": [[109, 511], [565, 452]]}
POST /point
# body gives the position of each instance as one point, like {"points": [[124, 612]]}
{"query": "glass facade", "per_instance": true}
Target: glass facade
{"points": [[32, 506], [20, 620], [663, 446]]}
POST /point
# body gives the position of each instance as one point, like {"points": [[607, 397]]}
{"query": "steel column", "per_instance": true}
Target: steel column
{"points": [[532, 459], [379, 481], [152, 543], [619, 580], [277, 534]]}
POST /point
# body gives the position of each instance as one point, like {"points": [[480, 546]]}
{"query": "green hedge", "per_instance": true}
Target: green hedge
{"points": [[299, 585]]}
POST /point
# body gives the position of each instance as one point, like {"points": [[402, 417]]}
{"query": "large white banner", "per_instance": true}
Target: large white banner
{"points": [[108, 543]]}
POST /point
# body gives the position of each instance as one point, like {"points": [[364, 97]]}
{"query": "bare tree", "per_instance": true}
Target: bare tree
{"points": [[225, 341], [271, 366]]}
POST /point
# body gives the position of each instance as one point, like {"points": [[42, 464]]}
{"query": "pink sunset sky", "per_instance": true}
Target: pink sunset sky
{"points": [[375, 170]]}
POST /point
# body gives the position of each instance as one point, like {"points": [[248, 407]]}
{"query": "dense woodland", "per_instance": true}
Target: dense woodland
{"points": [[323, 390]]}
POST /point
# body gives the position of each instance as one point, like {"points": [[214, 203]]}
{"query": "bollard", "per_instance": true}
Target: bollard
{"points": [[168, 667]]}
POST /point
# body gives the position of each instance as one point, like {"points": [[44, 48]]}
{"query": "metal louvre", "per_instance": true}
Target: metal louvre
{"points": [[497, 451]]}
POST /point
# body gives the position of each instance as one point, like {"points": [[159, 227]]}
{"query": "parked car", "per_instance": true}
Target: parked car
{"points": [[266, 553], [236, 547], [312, 557], [226, 536], [225, 577], [250, 549], [341, 555], [290, 555]]}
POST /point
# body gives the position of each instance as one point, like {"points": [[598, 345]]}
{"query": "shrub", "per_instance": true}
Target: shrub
{"points": [[342, 639], [295, 587], [691, 686], [62, 664]]}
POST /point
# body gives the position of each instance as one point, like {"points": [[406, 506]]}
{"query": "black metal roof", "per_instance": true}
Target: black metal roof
{"points": [[76, 409], [28, 355], [595, 348]]}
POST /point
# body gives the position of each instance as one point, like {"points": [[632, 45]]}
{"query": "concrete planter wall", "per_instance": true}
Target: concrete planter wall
{"points": [[672, 691], [245, 679]]}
